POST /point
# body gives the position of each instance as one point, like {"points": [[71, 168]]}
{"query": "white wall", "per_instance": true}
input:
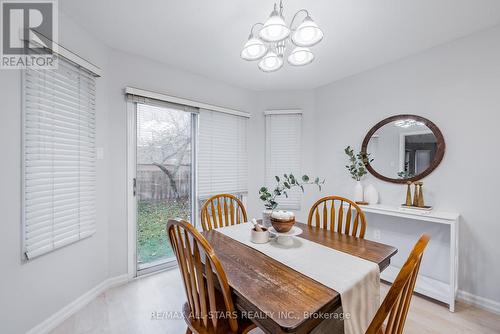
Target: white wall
{"points": [[31, 292], [457, 86]]}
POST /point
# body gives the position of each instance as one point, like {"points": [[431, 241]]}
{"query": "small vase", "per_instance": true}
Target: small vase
{"points": [[266, 218], [416, 195], [371, 194], [358, 192], [408, 193], [421, 203]]}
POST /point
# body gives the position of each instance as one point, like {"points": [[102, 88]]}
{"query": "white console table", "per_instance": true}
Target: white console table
{"points": [[427, 286]]}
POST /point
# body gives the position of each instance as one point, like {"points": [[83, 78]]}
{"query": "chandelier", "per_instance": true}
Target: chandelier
{"points": [[268, 46]]}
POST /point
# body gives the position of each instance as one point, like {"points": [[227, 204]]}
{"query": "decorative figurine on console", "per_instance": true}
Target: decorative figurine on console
{"points": [[418, 197]]}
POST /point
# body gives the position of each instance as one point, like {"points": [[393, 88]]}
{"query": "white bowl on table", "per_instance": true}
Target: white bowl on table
{"points": [[286, 239]]}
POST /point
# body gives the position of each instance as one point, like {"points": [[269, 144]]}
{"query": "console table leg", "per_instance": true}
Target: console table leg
{"points": [[453, 266]]}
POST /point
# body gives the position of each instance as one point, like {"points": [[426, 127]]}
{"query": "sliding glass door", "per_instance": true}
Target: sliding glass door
{"points": [[164, 183]]}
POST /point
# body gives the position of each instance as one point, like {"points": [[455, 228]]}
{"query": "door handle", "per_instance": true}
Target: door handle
{"points": [[134, 187]]}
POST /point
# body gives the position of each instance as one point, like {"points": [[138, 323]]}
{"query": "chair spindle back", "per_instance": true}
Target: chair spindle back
{"points": [[222, 210], [396, 304], [329, 213], [201, 271]]}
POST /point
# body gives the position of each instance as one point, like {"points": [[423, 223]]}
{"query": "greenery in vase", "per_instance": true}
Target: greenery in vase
{"points": [[283, 185], [358, 162], [405, 174]]}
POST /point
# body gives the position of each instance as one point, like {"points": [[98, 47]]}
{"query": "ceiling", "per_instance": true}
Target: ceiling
{"points": [[205, 37]]}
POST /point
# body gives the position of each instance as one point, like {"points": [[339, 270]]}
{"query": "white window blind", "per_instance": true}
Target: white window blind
{"points": [[283, 153], [59, 154], [222, 154]]}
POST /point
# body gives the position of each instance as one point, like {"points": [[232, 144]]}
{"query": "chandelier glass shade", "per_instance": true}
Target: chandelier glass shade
{"points": [[274, 29], [253, 49], [300, 56], [307, 33], [275, 37], [271, 62]]}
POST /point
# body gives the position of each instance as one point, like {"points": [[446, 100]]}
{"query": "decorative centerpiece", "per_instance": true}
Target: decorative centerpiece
{"points": [[283, 186], [418, 197], [357, 169], [284, 228], [282, 221]]}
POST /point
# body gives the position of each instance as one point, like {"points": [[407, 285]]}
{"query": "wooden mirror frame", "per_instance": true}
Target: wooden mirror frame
{"points": [[437, 158]]}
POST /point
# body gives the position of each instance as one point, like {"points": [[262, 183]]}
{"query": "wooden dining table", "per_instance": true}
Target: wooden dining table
{"points": [[278, 298]]}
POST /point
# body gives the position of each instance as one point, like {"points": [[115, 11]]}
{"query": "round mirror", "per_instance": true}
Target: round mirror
{"points": [[403, 148]]}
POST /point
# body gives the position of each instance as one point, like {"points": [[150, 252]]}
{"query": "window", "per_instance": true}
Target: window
{"points": [[59, 167], [283, 151], [222, 155], [165, 144]]}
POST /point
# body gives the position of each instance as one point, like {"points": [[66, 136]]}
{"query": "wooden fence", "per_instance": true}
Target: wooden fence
{"points": [[154, 185]]}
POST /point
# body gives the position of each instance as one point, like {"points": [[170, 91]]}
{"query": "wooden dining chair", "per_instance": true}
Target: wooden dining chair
{"points": [[395, 306], [202, 272], [329, 213], [222, 210]]}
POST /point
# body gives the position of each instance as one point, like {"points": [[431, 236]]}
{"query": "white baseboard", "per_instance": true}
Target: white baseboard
{"points": [[58, 318], [481, 302]]}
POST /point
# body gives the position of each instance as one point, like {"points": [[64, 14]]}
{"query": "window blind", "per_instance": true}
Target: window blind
{"points": [[222, 154], [59, 167], [283, 153]]}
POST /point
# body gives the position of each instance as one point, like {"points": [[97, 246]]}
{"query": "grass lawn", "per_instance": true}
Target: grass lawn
{"points": [[153, 216]]}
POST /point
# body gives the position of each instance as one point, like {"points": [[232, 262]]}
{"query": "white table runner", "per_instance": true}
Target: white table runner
{"points": [[357, 280]]}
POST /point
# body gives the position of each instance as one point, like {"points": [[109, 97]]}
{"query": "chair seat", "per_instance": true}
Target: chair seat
{"points": [[197, 327]]}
